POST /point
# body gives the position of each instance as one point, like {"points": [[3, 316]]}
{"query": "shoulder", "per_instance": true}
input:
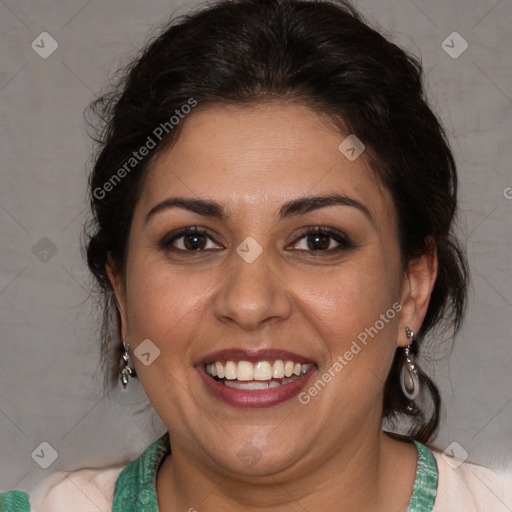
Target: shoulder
{"points": [[84, 490], [471, 487]]}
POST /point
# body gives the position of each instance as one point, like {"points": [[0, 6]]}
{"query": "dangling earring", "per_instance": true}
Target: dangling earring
{"points": [[409, 374], [126, 370]]}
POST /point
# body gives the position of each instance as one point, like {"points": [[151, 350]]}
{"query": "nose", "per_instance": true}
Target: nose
{"points": [[253, 295]]}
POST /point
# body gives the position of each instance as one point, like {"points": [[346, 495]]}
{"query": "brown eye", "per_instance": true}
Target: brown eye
{"points": [[318, 242], [188, 240], [194, 241], [321, 239]]}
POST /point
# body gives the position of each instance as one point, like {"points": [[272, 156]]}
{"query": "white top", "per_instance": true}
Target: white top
{"points": [[466, 488]]}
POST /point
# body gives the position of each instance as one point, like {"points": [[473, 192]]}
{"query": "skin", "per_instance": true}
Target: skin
{"points": [[330, 452]]}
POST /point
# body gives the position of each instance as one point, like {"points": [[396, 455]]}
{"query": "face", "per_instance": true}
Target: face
{"points": [[247, 272]]}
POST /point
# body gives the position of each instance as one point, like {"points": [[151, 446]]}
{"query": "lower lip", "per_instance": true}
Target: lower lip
{"points": [[256, 397]]}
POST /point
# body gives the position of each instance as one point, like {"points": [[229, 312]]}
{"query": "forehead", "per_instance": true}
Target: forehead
{"points": [[259, 156]]}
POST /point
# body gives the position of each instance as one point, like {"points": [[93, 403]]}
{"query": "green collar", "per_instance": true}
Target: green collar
{"points": [[135, 489], [425, 485]]}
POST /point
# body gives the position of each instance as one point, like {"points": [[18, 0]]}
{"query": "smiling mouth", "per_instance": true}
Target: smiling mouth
{"points": [[247, 376]]}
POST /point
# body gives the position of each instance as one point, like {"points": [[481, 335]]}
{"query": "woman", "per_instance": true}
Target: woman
{"points": [[273, 211]]}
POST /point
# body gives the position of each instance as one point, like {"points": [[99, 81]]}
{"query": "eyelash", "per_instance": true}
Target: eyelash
{"points": [[343, 241]]}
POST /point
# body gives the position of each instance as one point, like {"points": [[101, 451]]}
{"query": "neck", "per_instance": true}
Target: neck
{"points": [[374, 473]]}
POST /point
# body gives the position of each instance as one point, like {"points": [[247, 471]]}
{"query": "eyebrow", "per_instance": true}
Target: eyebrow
{"points": [[300, 206]]}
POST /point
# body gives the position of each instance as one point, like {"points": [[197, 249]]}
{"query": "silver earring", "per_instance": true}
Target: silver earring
{"points": [[126, 370], [409, 374]]}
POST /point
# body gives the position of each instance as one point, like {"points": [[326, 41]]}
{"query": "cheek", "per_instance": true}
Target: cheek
{"points": [[351, 296], [164, 308], [160, 303], [355, 311]]}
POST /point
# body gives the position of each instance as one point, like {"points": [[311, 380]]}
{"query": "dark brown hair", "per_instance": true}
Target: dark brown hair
{"points": [[321, 54]]}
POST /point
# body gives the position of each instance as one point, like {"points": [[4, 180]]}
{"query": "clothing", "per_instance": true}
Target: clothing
{"points": [[438, 487]]}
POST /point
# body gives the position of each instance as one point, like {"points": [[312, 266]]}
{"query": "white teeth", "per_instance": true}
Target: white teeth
{"points": [[262, 371], [230, 371], [220, 370], [249, 386], [278, 369], [305, 367], [246, 385], [245, 370]]}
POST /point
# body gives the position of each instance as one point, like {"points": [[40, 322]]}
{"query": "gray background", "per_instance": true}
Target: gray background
{"points": [[50, 382]]}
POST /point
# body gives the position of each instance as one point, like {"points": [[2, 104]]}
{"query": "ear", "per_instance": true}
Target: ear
{"points": [[417, 287], [116, 280]]}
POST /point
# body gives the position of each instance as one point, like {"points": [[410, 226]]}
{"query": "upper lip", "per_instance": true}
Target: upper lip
{"points": [[253, 356]]}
